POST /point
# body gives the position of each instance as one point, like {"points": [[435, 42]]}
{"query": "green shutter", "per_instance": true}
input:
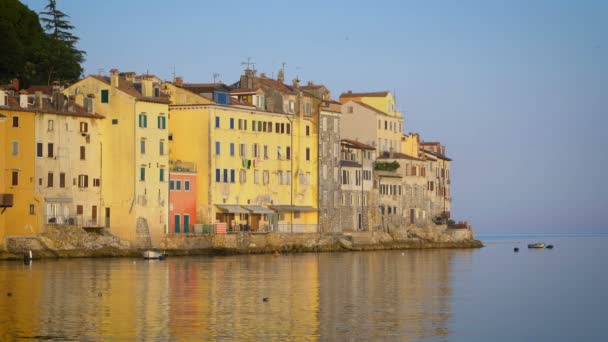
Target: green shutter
{"points": [[104, 96], [162, 175], [142, 174], [140, 120], [187, 185], [145, 121], [158, 122]]}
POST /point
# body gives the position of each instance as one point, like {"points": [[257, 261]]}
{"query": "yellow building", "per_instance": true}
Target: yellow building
{"points": [[17, 127], [257, 169], [362, 111], [134, 153]]}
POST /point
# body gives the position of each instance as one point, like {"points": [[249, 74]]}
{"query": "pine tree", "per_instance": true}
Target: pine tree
{"points": [[60, 58]]}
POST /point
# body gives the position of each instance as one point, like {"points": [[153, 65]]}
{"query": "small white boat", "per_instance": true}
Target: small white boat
{"points": [[536, 245], [154, 255]]}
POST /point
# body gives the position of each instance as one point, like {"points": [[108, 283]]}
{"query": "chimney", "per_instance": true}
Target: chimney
{"points": [[281, 76], [130, 76], [179, 81], [147, 86], [310, 84], [38, 95], [23, 99], [296, 83], [349, 92], [90, 104], [443, 150], [114, 78], [15, 84], [263, 75]]}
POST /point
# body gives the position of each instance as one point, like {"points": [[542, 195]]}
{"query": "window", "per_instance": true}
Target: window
{"points": [[265, 151], [217, 122], [217, 148], [96, 182], [308, 154], [307, 130], [277, 127], [259, 126], [269, 126], [50, 150], [187, 185], [255, 149], [288, 153], [288, 128], [254, 127], [296, 215], [15, 148], [344, 177], [15, 121], [292, 106], [225, 175], [39, 148], [171, 185], [162, 174], [256, 177], [178, 185], [242, 176], [114, 121], [231, 123], [243, 150], [232, 149], [385, 125], [217, 175], [50, 126], [62, 180], [50, 180], [83, 181], [324, 124], [15, 178], [104, 96], [232, 176], [143, 120], [142, 173], [308, 108], [32, 209], [161, 148], [266, 177], [161, 122], [84, 127], [142, 146]]}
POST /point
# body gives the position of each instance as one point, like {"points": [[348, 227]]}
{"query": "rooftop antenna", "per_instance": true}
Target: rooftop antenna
{"points": [[298, 68], [215, 76], [174, 73], [248, 63]]}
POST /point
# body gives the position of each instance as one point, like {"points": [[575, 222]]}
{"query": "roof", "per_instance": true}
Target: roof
{"points": [[440, 156], [235, 102], [397, 155], [205, 87], [47, 106], [292, 208], [244, 91], [276, 85], [45, 89], [130, 89], [257, 209], [232, 209], [356, 144], [369, 94]]}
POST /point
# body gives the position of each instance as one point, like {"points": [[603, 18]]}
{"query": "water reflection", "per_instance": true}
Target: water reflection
{"points": [[339, 296]]}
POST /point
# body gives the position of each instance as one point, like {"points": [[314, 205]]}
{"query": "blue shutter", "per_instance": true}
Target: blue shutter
{"points": [[217, 175], [232, 149], [232, 176], [225, 175]]}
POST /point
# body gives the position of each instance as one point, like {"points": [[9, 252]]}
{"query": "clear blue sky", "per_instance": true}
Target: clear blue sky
{"points": [[517, 90]]}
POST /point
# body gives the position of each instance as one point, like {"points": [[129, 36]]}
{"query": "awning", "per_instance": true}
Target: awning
{"points": [[58, 199], [292, 208], [231, 209], [257, 209]]}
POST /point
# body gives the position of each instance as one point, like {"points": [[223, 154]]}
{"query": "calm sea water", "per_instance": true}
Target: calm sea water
{"points": [[489, 294]]}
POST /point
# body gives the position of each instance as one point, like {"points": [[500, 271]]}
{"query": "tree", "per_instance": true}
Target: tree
{"points": [[60, 59]]}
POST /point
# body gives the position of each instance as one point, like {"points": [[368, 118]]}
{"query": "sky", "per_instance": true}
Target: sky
{"points": [[517, 90]]}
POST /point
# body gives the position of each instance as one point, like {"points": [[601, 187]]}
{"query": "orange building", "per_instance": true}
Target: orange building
{"points": [[182, 197]]}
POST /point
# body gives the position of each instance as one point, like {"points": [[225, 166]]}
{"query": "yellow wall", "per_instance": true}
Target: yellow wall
{"points": [[17, 220], [410, 145], [183, 96]]}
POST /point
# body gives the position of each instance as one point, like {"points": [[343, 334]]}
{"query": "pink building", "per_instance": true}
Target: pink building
{"points": [[182, 200]]}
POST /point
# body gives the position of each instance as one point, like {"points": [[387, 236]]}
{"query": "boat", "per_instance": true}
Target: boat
{"points": [[151, 254], [536, 245]]}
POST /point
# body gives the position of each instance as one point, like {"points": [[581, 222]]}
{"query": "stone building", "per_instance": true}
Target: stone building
{"points": [[356, 170], [329, 167], [438, 177]]}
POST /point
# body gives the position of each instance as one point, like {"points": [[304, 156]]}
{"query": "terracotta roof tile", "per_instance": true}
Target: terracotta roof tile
{"points": [[357, 144], [369, 94]]}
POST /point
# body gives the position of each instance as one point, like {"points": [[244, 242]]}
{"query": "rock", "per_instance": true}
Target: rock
{"points": [[345, 243]]}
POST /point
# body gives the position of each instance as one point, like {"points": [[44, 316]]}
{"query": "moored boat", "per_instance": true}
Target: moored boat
{"points": [[151, 254], [536, 245]]}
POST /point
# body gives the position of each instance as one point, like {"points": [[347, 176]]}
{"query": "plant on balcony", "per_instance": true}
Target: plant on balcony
{"points": [[385, 166]]}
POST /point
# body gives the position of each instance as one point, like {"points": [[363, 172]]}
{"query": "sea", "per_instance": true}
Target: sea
{"points": [[487, 294]]}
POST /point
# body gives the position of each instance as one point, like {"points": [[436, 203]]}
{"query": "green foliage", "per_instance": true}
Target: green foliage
{"points": [[385, 166], [30, 54]]}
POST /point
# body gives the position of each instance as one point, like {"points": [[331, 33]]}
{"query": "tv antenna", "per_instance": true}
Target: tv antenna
{"points": [[215, 76], [248, 64]]}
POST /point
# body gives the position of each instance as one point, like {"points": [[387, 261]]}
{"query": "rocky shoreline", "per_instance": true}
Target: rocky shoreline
{"points": [[73, 242]]}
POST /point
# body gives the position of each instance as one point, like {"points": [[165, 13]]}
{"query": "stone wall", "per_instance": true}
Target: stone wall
{"points": [[329, 186]]}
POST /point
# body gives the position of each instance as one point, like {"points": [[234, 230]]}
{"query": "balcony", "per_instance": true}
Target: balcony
{"points": [[6, 200]]}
